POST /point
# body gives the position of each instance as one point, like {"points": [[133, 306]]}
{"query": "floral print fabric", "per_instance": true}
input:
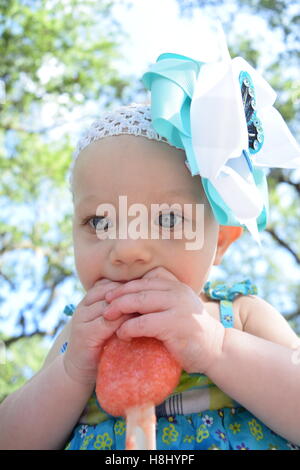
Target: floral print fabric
{"points": [[224, 429]]}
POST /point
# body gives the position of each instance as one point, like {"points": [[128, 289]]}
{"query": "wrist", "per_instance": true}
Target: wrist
{"points": [[74, 378], [217, 348]]}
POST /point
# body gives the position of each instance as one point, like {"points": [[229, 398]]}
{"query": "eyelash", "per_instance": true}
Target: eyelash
{"points": [[89, 218]]}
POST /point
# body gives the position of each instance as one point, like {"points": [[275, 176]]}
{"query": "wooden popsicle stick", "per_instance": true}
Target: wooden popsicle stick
{"points": [[140, 427]]}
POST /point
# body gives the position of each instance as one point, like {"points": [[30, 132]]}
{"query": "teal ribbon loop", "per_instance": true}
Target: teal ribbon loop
{"points": [[172, 80]]}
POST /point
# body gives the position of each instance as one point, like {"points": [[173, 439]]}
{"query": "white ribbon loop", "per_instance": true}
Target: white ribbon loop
{"points": [[220, 136], [218, 124]]}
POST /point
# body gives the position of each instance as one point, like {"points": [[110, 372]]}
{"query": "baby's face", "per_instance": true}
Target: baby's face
{"points": [[148, 173]]}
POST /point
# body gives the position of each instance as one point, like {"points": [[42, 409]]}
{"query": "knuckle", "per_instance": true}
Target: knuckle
{"points": [[102, 289], [142, 297], [103, 304], [109, 288], [113, 285], [98, 291], [140, 324]]}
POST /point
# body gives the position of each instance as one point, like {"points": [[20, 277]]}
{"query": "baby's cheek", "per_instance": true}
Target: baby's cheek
{"points": [[87, 270], [193, 275]]}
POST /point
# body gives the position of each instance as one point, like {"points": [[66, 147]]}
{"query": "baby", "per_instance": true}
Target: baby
{"points": [[239, 387]]}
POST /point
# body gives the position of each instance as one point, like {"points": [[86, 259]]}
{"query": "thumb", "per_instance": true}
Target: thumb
{"points": [[160, 272]]}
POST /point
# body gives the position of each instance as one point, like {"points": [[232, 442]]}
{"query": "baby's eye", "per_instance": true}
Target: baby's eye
{"points": [[169, 220], [100, 223]]}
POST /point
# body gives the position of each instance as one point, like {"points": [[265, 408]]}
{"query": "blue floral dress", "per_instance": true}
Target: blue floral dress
{"points": [[197, 416]]}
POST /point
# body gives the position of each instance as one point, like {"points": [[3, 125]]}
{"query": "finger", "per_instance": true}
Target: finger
{"points": [[98, 291], [105, 328], [141, 302], [151, 326], [139, 285], [88, 314], [104, 280], [160, 272], [101, 329], [156, 273]]}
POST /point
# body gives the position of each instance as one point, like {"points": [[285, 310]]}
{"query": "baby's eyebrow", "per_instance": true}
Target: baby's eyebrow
{"points": [[85, 201], [162, 196], [182, 192]]}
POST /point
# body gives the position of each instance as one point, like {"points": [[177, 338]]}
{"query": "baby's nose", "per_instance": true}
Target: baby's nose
{"points": [[131, 251]]}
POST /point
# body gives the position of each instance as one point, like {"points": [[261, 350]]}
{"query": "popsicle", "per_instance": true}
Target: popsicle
{"points": [[133, 377]]}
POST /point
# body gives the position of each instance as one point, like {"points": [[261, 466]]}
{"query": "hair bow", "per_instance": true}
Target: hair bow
{"points": [[222, 115]]}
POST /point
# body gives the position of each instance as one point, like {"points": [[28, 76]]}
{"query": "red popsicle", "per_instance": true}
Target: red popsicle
{"points": [[133, 377]]}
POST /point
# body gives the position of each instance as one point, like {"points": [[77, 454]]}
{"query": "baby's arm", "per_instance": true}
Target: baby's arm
{"points": [[31, 417], [42, 414], [257, 367], [259, 318]]}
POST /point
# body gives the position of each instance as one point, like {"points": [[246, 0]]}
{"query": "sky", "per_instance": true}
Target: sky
{"points": [[157, 26], [152, 28], [153, 31]]}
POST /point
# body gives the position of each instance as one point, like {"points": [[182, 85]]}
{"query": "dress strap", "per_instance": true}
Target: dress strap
{"points": [[226, 313], [226, 295]]}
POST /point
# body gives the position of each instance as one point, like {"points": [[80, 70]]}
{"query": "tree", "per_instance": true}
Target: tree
{"points": [[54, 57], [281, 240]]}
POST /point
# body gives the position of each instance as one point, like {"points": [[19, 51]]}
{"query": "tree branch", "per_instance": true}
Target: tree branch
{"points": [[279, 176], [284, 244], [40, 333], [291, 316]]}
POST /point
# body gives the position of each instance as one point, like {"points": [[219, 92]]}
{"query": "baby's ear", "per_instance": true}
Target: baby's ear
{"points": [[227, 235]]}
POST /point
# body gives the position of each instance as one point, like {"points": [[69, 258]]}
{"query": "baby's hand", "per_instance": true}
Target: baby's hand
{"points": [[171, 312], [89, 331]]}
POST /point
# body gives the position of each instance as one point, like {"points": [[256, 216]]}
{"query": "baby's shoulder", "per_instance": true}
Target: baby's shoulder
{"points": [[252, 307], [258, 317], [245, 305], [250, 312], [254, 315]]}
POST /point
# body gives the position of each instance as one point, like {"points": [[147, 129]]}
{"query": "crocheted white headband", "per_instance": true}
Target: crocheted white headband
{"points": [[134, 119]]}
